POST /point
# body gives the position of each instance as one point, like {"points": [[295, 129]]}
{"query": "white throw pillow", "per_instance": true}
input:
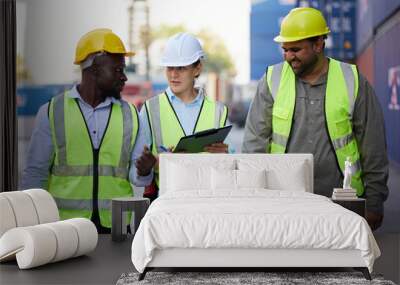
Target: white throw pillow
{"points": [[189, 175], [291, 179], [280, 175], [224, 179], [251, 178], [184, 177]]}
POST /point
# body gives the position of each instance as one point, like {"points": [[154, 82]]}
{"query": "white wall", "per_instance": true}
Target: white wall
{"points": [[48, 30], [53, 27]]}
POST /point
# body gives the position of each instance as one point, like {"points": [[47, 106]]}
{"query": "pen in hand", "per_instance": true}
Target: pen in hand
{"points": [[162, 148]]}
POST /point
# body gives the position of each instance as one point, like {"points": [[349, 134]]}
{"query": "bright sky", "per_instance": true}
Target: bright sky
{"points": [[48, 30], [229, 19]]}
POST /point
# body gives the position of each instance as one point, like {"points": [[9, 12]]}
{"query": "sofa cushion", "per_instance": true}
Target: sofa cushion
{"points": [[7, 215], [31, 233], [40, 244], [26, 208], [23, 208], [45, 206]]}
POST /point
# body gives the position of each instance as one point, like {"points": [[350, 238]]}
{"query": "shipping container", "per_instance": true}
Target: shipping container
{"points": [[370, 15], [341, 19], [387, 82], [383, 9], [365, 63], [30, 98], [364, 25], [265, 21]]}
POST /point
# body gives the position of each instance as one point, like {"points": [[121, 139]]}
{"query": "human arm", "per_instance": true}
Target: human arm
{"points": [[40, 153], [140, 176], [146, 162], [258, 128], [369, 131]]}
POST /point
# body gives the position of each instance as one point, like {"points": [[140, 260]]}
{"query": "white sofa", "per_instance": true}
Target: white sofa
{"points": [[247, 210], [31, 233]]}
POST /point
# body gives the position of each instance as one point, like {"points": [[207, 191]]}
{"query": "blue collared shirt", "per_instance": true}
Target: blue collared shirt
{"points": [[41, 150], [187, 114]]}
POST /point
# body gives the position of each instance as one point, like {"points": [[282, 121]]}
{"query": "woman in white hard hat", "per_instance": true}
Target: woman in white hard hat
{"points": [[182, 109]]}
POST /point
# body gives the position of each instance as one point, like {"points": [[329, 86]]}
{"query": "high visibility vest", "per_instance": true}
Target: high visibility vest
{"points": [[341, 94], [166, 130], [82, 177]]}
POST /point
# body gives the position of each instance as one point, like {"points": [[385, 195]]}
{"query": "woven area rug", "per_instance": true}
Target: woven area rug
{"points": [[229, 278]]}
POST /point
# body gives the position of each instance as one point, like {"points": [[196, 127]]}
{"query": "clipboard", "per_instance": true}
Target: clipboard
{"points": [[196, 142]]}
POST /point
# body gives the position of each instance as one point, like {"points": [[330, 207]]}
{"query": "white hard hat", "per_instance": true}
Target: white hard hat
{"points": [[181, 50]]}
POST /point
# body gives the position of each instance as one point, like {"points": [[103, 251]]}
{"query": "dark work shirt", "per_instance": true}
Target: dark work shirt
{"points": [[309, 134]]}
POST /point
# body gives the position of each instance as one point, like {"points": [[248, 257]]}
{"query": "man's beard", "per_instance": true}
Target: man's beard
{"points": [[306, 67], [108, 90], [114, 93]]}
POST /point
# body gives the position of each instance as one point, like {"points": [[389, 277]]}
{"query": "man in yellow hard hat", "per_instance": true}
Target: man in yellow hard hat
{"points": [[314, 104], [86, 141]]}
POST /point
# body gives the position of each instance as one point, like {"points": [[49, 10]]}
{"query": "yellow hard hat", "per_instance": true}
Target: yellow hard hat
{"points": [[302, 23], [99, 40]]}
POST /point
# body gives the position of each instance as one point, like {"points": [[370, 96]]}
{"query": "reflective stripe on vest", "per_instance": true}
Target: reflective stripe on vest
{"points": [[73, 173], [87, 170], [341, 93], [78, 204], [216, 117], [165, 126]]}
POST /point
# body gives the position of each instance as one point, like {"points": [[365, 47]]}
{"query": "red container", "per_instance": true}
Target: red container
{"points": [[365, 63], [364, 24]]}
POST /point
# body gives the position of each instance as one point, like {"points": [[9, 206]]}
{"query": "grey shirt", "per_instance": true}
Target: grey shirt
{"points": [[309, 134]]}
